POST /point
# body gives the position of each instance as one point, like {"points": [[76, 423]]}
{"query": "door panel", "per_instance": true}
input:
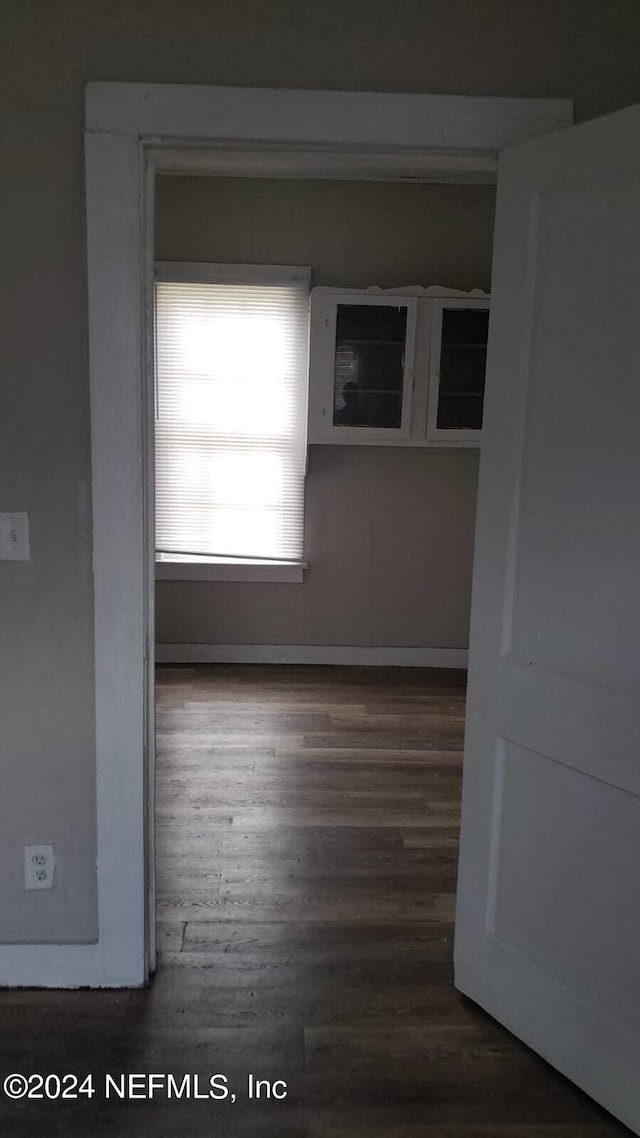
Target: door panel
{"points": [[538, 825], [548, 921], [577, 556]]}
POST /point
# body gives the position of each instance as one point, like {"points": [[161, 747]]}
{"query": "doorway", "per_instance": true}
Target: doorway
{"points": [[133, 132], [389, 543]]}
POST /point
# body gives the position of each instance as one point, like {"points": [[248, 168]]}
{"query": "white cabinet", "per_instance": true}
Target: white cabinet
{"points": [[457, 365], [397, 368], [361, 359]]}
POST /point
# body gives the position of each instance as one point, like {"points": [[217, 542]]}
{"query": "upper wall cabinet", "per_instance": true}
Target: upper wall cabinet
{"points": [[458, 362], [361, 366], [391, 369]]}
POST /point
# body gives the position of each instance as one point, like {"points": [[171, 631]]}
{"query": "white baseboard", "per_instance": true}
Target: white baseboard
{"points": [[60, 966], [310, 654]]}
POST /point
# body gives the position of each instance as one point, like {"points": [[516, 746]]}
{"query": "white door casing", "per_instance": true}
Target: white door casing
{"points": [[548, 918], [133, 132]]}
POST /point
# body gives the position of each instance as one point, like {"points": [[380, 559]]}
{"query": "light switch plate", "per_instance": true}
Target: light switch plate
{"points": [[14, 537]]}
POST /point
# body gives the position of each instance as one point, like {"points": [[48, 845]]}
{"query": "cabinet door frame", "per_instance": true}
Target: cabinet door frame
{"points": [[324, 313], [447, 436]]}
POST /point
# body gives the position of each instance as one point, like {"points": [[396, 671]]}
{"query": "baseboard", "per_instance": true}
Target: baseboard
{"points": [[310, 654], [60, 966]]}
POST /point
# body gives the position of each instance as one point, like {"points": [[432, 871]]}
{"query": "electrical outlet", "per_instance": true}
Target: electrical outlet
{"points": [[39, 864]]}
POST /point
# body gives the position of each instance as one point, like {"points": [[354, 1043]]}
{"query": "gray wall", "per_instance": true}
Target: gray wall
{"points": [[351, 233], [586, 49], [389, 532], [389, 536]]}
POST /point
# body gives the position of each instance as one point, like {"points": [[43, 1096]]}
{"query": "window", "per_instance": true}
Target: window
{"points": [[230, 432]]}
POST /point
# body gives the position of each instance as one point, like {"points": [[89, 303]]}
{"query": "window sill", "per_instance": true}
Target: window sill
{"points": [[207, 569]]}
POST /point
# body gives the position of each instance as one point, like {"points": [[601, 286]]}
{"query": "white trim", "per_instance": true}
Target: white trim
{"points": [[149, 475], [116, 261], [207, 272], [131, 128], [361, 163], [203, 570], [311, 654], [353, 118], [61, 966]]}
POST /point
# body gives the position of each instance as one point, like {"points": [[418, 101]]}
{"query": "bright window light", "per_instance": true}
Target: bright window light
{"points": [[231, 388]]}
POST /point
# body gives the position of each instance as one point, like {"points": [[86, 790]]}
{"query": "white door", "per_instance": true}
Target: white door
{"points": [[548, 922]]}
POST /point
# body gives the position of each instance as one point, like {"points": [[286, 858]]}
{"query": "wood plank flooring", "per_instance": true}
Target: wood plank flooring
{"points": [[307, 844]]}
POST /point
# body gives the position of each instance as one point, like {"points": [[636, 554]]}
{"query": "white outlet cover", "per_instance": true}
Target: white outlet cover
{"points": [[39, 866], [14, 537]]}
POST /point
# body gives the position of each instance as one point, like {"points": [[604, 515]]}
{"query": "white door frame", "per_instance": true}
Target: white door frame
{"points": [[134, 131]]}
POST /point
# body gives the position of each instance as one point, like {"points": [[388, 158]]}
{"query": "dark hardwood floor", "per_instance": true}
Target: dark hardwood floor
{"points": [[306, 855]]}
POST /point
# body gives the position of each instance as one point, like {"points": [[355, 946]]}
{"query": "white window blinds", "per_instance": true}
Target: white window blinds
{"points": [[231, 398]]}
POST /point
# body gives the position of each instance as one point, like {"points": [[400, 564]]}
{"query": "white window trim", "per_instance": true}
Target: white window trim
{"points": [[210, 272], [183, 567], [173, 567]]}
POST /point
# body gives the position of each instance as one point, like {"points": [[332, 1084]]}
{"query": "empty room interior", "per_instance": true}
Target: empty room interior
{"points": [[307, 812], [319, 465]]}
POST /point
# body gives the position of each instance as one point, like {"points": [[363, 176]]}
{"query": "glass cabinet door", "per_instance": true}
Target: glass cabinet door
{"points": [[369, 366], [362, 362], [458, 365]]}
